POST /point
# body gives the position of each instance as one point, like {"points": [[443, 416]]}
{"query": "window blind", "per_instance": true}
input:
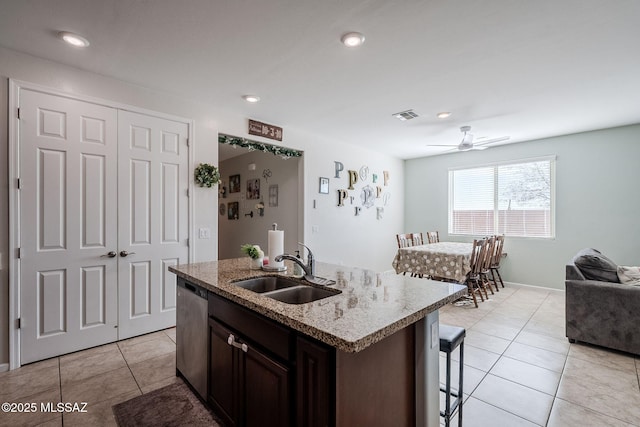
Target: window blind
{"points": [[511, 199]]}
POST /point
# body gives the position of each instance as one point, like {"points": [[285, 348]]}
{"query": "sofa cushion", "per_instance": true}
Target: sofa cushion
{"points": [[629, 275], [595, 266]]}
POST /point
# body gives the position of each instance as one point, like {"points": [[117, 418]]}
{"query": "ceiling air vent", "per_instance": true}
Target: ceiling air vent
{"points": [[405, 115]]}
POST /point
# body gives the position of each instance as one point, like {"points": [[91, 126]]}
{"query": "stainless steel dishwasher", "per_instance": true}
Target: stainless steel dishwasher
{"points": [[192, 335]]}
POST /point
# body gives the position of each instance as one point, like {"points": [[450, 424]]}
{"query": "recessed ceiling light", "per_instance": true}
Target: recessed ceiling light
{"points": [[251, 98], [73, 39], [443, 115], [352, 39]]}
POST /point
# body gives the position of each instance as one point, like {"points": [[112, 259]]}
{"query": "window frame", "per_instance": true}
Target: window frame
{"points": [[552, 203]]}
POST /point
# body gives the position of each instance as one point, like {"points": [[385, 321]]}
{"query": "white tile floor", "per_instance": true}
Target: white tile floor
{"points": [[519, 371]]}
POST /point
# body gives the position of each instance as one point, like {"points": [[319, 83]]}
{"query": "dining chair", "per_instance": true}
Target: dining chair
{"points": [[473, 278], [487, 260], [417, 239], [495, 261], [432, 237], [404, 240]]}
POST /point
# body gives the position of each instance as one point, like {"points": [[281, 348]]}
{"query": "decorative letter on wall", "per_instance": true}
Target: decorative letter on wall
{"points": [[386, 177], [379, 213], [339, 168], [374, 177], [358, 209], [342, 194], [378, 191], [353, 178]]}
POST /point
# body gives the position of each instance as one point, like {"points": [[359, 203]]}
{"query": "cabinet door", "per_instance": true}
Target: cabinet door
{"points": [[266, 391], [314, 390], [223, 374]]}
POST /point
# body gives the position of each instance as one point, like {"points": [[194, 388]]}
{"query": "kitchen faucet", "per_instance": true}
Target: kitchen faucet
{"points": [[309, 268]]}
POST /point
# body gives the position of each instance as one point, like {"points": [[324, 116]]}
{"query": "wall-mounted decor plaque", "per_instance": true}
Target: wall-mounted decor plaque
{"points": [[265, 130]]}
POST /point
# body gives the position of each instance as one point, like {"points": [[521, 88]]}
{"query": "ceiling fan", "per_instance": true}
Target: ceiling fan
{"points": [[467, 141]]}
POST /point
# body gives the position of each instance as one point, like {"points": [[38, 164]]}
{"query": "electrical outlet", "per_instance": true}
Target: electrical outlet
{"points": [[204, 233], [315, 229]]}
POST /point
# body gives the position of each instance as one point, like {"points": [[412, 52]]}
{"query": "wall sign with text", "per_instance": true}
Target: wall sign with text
{"points": [[265, 130]]}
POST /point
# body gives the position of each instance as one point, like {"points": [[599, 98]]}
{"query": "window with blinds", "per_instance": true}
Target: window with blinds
{"points": [[514, 199]]}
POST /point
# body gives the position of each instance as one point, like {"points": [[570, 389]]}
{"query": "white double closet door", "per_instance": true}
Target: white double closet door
{"points": [[103, 213]]}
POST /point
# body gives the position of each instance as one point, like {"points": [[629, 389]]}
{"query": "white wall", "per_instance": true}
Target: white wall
{"points": [[342, 238], [597, 203], [234, 233]]}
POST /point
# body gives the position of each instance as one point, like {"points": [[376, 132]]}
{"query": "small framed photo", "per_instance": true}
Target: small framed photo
{"points": [[324, 186], [234, 184], [253, 189], [273, 196], [232, 210]]}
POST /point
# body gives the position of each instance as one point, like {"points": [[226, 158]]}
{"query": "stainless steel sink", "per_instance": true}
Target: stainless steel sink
{"points": [[266, 283], [285, 290], [301, 294]]}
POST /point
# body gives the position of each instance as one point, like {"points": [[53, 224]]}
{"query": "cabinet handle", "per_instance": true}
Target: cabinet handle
{"points": [[232, 341]]}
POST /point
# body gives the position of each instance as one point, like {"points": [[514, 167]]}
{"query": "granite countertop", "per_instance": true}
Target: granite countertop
{"points": [[371, 307]]}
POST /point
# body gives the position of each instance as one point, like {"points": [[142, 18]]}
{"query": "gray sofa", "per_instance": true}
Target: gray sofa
{"points": [[601, 312]]}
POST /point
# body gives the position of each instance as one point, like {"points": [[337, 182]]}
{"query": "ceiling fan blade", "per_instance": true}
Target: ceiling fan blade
{"points": [[492, 140], [442, 145], [476, 148]]}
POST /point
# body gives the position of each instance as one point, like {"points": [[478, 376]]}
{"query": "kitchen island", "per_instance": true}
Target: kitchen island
{"points": [[367, 355]]}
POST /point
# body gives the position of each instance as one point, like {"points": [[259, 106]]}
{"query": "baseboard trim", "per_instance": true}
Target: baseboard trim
{"points": [[542, 288], [4, 367]]}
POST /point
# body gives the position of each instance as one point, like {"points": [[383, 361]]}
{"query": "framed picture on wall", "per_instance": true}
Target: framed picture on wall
{"points": [[324, 186], [273, 196], [253, 189], [232, 210], [234, 184]]}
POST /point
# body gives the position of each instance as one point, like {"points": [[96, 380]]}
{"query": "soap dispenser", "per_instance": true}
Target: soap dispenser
{"points": [[297, 269]]}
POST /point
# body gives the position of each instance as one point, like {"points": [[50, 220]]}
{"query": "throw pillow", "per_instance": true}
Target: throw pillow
{"points": [[629, 275], [595, 266]]}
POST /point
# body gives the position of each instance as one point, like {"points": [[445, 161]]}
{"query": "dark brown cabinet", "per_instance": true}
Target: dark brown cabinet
{"points": [[247, 387], [314, 385], [223, 374], [250, 369]]}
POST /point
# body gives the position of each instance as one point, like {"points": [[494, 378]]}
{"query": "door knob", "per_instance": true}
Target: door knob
{"points": [[110, 254], [125, 253]]}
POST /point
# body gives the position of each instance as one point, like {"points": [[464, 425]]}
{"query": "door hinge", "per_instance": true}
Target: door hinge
{"points": [[188, 195], [18, 113], [18, 183], [188, 142], [188, 241], [18, 253], [18, 323]]}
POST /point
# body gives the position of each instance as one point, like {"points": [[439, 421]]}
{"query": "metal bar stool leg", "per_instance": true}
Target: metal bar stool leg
{"points": [[450, 338]]}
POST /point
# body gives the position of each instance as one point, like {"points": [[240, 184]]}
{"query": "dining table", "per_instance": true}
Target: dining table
{"points": [[440, 260]]}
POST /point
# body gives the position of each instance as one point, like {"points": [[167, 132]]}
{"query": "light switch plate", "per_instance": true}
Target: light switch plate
{"points": [[204, 233], [315, 229]]}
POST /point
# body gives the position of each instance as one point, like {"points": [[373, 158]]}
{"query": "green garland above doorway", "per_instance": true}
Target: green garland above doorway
{"points": [[276, 150]]}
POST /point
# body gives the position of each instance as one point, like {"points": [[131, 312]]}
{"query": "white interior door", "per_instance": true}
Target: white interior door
{"points": [[153, 223], [68, 223]]}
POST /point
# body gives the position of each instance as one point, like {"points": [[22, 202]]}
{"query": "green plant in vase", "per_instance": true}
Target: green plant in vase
{"points": [[255, 253]]}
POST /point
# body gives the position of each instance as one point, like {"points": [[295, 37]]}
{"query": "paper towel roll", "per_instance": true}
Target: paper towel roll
{"points": [[276, 247]]}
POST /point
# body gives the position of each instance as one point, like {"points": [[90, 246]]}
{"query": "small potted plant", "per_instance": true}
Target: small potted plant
{"points": [[255, 253]]}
